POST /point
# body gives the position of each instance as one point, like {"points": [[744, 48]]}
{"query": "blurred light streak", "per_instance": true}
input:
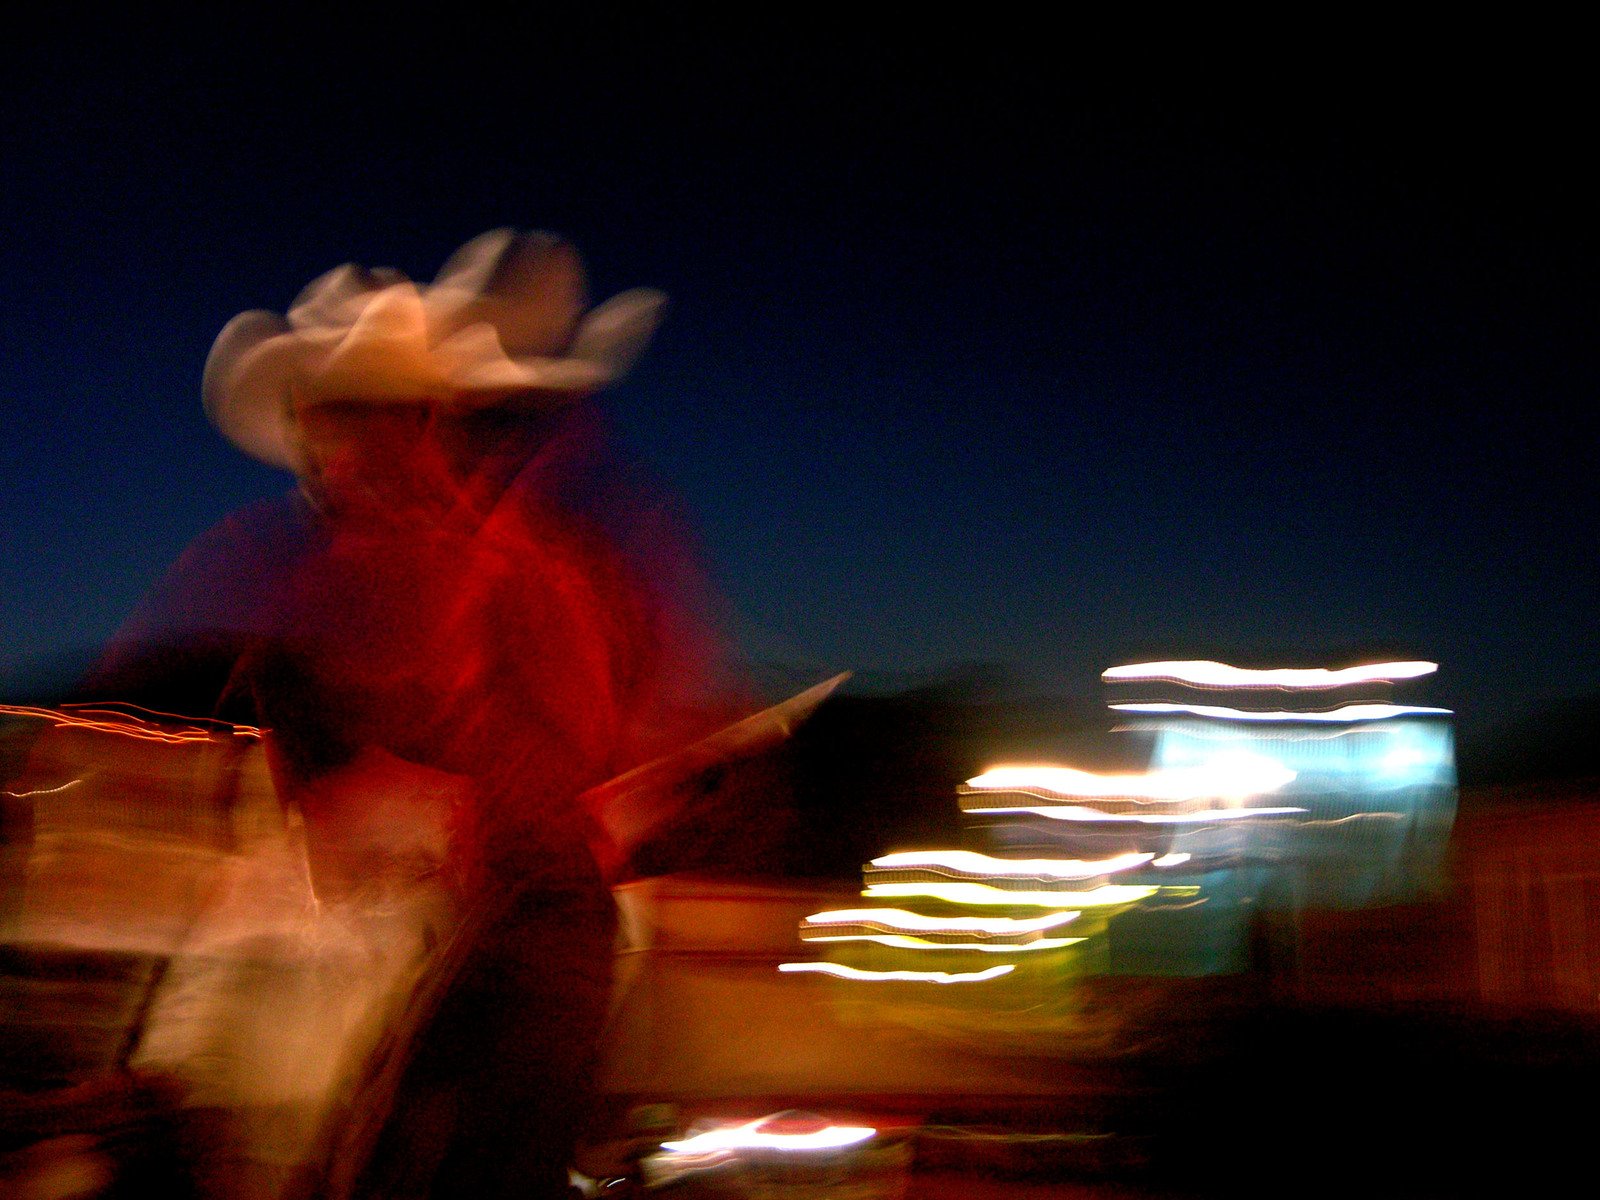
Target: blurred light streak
{"points": [[979, 893], [127, 725], [900, 920], [751, 1136], [967, 862], [71, 783], [1171, 860], [844, 972], [1251, 735], [904, 942], [1208, 673], [1345, 714], [1072, 812], [894, 927], [1236, 776]]}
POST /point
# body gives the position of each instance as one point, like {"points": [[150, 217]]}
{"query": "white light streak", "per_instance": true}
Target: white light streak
{"points": [[752, 1137], [1345, 715], [968, 862], [1206, 673], [1237, 776], [982, 894], [1072, 812], [71, 783]]}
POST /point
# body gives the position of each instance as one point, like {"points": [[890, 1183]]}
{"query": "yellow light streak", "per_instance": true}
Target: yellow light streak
{"points": [[899, 918], [903, 942], [844, 972]]}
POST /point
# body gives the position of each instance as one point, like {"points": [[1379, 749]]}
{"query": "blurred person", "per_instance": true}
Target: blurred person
{"points": [[465, 617]]}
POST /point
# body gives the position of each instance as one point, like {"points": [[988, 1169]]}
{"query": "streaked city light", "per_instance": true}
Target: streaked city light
{"points": [[917, 931], [983, 894], [1060, 812], [49, 791], [899, 918], [1232, 777], [753, 1136], [175, 729], [1345, 714], [1209, 674], [984, 866], [839, 970], [900, 941]]}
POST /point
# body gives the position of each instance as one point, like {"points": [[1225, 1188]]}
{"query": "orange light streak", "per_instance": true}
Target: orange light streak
{"points": [[109, 720]]}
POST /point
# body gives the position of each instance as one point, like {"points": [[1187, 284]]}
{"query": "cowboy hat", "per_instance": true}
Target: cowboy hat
{"points": [[504, 317]]}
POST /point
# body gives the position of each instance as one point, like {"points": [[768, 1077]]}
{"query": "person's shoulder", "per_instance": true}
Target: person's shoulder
{"points": [[273, 515], [183, 637], [263, 531]]}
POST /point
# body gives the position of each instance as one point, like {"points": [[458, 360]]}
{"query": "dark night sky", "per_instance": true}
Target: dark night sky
{"points": [[973, 356]]}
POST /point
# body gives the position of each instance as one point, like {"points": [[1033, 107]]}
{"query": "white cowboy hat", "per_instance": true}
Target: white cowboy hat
{"points": [[503, 317]]}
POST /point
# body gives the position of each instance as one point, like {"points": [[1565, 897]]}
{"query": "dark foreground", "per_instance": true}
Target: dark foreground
{"points": [[1264, 1098]]}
